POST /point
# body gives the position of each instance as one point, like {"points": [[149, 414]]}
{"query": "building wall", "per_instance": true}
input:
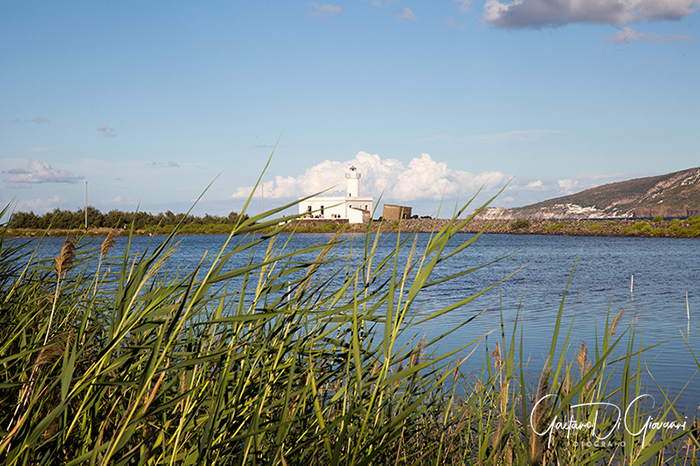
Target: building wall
{"points": [[337, 207], [396, 212]]}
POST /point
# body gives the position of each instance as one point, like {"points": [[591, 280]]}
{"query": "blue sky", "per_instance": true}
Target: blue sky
{"points": [[149, 102]]}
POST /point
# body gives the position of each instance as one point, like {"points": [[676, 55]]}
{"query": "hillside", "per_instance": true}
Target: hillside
{"points": [[671, 195]]}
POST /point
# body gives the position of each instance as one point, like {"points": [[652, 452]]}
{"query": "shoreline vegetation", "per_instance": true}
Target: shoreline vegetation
{"points": [[657, 227], [267, 354]]}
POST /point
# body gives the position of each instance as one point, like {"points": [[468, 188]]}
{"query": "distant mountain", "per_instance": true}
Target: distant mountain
{"points": [[672, 195]]}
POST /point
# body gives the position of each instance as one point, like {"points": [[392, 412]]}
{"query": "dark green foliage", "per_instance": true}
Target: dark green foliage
{"points": [[67, 220], [519, 224]]}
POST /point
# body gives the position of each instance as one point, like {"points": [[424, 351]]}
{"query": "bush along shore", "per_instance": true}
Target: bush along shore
{"points": [[657, 227], [263, 354]]}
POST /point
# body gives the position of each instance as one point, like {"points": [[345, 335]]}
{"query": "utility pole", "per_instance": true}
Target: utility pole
{"points": [[86, 206]]}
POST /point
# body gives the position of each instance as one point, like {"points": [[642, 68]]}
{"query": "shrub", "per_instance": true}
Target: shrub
{"points": [[594, 227], [519, 224], [554, 227], [658, 219]]}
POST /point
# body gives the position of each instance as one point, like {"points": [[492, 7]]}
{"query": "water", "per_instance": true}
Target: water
{"points": [[664, 269]]}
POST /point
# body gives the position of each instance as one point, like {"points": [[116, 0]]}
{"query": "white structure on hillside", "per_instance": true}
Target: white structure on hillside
{"points": [[352, 207]]}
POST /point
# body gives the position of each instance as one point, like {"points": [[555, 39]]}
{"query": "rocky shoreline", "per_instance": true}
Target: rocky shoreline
{"points": [[673, 228]]}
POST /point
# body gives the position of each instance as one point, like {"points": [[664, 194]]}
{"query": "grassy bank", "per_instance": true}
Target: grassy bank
{"points": [[267, 355]]}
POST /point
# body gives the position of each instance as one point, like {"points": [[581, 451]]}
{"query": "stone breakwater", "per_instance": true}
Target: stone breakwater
{"points": [[674, 228]]}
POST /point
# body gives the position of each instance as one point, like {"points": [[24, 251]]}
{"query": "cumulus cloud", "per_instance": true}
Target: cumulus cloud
{"points": [[552, 13], [106, 131], [325, 11], [40, 120], [40, 204], [422, 179], [568, 186], [407, 14], [628, 34], [535, 186], [39, 172]]}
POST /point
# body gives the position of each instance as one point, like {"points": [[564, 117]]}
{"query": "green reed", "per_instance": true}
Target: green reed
{"points": [[266, 354]]}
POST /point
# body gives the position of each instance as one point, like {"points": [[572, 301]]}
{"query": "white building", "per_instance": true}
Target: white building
{"points": [[352, 207]]}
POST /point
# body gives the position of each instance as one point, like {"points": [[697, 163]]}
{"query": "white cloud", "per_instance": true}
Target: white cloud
{"points": [[422, 179], [164, 165], [325, 11], [568, 186], [535, 186], [628, 34], [552, 13], [40, 204], [119, 200], [39, 172], [106, 131], [407, 14], [40, 120], [464, 5]]}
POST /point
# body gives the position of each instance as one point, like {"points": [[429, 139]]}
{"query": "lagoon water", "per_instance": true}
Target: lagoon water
{"points": [[664, 269]]}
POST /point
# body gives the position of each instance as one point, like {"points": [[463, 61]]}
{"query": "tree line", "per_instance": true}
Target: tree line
{"points": [[67, 220]]}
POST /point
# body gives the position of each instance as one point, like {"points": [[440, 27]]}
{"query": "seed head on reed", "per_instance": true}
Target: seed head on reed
{"points": [[109, 242], [64, 261], [56, 349], [498, 359], [582, 357], [375, 368], [415, 357], [616, 321]]}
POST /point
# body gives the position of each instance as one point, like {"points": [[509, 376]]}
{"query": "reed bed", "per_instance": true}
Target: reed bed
{"points": [[266, 354]]}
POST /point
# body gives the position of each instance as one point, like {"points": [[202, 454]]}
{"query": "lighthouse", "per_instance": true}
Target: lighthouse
{"points": [[351, 208], [353, 177]]}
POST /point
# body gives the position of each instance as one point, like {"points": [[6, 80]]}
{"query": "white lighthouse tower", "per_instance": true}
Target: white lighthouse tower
{"points": [[353, 177], [351, 208]]}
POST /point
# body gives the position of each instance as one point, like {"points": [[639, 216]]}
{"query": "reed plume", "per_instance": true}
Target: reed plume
{"points": [[64, 262], [498, 358], [582, 357], [107, 244], [616, 321]]}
